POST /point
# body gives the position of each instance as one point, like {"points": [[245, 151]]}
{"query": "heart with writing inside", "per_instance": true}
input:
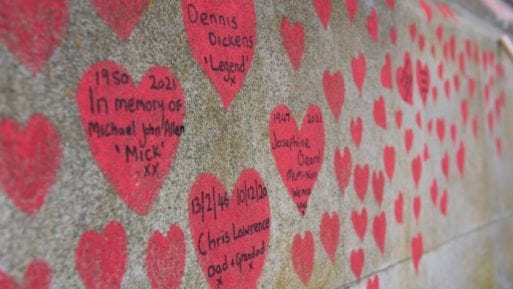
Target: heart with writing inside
{"points": [[32, 30], [298, 153], [302, 255], [133, 131], [330, 234], [121, 16], [101, 257], [30, 156], [222, 37], [230, 233], [38, 275], [165, 258]]}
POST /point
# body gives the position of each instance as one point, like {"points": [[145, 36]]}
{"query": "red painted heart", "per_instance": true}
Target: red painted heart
{"points": [[417, 248], [302, 256], [38, 275], [351, 9], [391, 6], [230, 234], [380, 113], [133, 132], [356, 127], [416, 169], [423, 80], [389, 161], [379, 229], [293, 37], [404, 78], [32, 31], [343, 167], [443, 203], [330, 234], [165, 259], [334, 91], [298, 153], [460, 158], [121, 16], [100, 258], [373, 283], [361, 180], [323, 9], [357, 262], [386, 72], [408, 139], [398, 208], [373, 25], [399, 118], [434, 192], [222, 37], [359, 220], [378, 186], [445, 165], [29, 159], [417, 206], [359, 69]]}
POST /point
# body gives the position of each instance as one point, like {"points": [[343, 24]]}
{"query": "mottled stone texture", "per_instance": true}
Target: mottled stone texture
{"points": [[466, 225]]}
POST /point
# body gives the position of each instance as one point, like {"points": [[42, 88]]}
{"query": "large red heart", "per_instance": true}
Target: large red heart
{"points": [[230, 234], [416, 250], [343, 167], [404, 77], [302, 254], [32, 30], [298, 153], [359, 69], [323, 9], [359, 220], [386, 72], [29, 159], [330, 234], [334, 91], [373, 25], [423, 81], [222, 37], [361, 180], [293, 37], [121, 16], [379, 229], [357, 261], [38, 275], [100, 258], [133, 132], [165, 259]]}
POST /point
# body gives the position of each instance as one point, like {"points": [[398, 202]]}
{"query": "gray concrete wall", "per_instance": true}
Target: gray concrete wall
{"points": [[82, 211]]}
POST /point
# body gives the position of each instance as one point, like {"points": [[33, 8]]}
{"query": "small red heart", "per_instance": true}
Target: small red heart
{"points": [[334, 91], [471, 87], [430, 126], [440, 70], [413, 31], [323, 9], [418, 119], [38, 275], [464, 111], [101, 257], [121, 16], [426, 152], [398, 208], [293, 37], [434, 92], [343, 167], [389, 161], [423, 81], [461, 63], [330, 234], [416, 169], [30, 157], [379, 228], [302, 255], [359, 220], [443, 203], [373, 25], [393, 35], [460, 158], [399, 118], [417, 249], [434, 191], [440, 129], [447, 89], [33, 30], [386, 72], [378, 186], [468, 48], [219, 226], [373, 283], [358, 68], [380, 114], [440, 33], [421, 42], [456, 82], [165, 258], [133, 147], [427, 10], [404, 78], [454, 133], [361, 181], [299, 152], [357, 130], [408, 139], [357, 261], [390, 4], [351, 8], [445, 165], [417, 204], [490, 121]]}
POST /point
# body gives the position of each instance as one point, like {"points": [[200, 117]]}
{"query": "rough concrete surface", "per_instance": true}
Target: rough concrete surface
{"points": [[60, 188]]}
